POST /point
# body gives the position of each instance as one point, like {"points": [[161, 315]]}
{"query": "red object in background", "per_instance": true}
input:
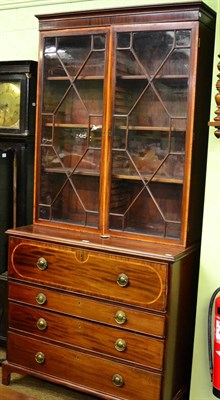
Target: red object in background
{"points": [[216, 350]]}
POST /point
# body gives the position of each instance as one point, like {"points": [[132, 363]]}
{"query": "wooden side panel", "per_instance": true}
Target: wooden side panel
{"points": [[180, 329], [3, 308]]}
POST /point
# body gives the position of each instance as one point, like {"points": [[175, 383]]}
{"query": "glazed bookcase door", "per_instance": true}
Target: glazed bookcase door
{"points": [[72, 118], [115, 135], [149, 131]]}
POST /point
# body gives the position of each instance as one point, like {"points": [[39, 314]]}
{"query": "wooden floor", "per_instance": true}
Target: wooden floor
{"points": [[9, 394]]}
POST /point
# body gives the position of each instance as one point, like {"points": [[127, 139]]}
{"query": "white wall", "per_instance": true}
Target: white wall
{"points": [[19, 26], [19, 41]]}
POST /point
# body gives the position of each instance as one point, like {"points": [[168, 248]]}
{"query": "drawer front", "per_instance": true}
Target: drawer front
{"points": [[129, 346], [83, 371], [122, 279], [82, 307]]}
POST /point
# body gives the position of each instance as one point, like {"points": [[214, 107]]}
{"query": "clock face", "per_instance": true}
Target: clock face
{"points": [[10, 105]]}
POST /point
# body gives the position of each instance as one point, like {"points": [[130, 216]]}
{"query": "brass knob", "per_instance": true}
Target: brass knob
{"points": [[40, 357], [117, 380], [122, 280], [120, 317], [41, 298], [41, 324], [120, 345], [42, 263]]}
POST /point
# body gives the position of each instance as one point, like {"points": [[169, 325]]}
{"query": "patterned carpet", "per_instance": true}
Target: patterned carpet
{"points": [[41, 390]]}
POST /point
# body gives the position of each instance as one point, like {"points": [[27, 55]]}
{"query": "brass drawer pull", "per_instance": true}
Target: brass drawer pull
{"points": [[122, 280], [120, 345], [41, 298], [41, 324], [117, 380], [42, 263], [40, 357], [120, 317]]}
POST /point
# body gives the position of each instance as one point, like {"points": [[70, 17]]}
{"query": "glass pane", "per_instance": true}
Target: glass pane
{"points": [[152, 49], [176, 64], [149, 132], [183, 38], [72, 129]]}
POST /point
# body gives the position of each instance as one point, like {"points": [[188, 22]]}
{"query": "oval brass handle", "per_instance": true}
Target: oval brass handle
{"points": [[120, 345], [41, 298], [42, 324], [117, 380], [40, 357], [42, 263], [122, 280], [120, 317]]}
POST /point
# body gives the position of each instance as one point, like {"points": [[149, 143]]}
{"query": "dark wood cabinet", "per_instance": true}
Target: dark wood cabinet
{"points": [[3, 308], [104, 281], [17, 128]]}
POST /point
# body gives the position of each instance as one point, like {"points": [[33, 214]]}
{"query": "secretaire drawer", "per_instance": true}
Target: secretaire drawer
{"points": [[112, 314], [142, 283], [132, 347], [110, 379]]}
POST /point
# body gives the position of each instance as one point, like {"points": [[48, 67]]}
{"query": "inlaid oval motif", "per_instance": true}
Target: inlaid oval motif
{"points": [[92, 273]]}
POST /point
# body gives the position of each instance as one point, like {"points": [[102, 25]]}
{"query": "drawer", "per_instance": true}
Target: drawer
{"points": [[134, 348], [121, 279], [82, 371], [82, 307]]}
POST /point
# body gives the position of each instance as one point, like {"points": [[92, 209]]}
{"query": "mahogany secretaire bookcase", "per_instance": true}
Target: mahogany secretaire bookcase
{"points": [[102, 285]]}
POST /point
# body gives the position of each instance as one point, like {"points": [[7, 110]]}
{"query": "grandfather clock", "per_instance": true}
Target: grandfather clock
{"points": [[17, 125]]}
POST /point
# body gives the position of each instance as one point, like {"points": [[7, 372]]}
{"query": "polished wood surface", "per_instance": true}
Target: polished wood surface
{"points": [[83, 272], [78, 314], [151, 249], [139, 14], [141, 349], [68, 366], [88, 308], [103, 284]]}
